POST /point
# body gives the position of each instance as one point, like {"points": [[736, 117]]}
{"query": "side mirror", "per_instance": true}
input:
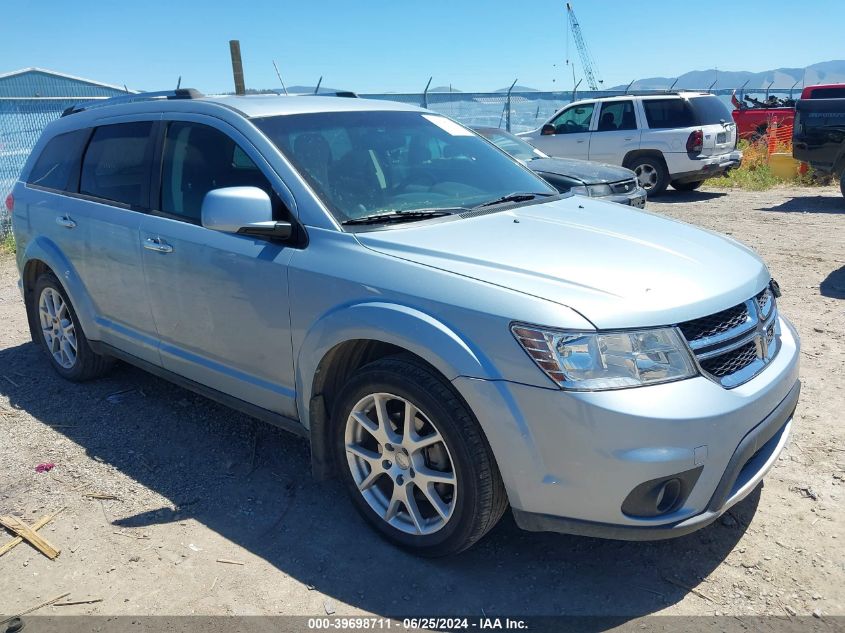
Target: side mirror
{"points": [[244, 211], [547, 130]]}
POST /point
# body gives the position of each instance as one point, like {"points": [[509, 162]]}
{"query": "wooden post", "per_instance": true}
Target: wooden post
{"points": [[237, 67]]}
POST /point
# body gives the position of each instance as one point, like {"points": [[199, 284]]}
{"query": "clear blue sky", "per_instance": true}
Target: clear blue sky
{"points": [[395, 45]]}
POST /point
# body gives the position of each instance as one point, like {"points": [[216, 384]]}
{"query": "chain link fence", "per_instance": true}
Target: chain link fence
{"points": [[23, 119]]}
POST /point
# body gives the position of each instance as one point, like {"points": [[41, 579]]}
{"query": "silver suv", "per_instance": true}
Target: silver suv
{"points": [[670, 138], [451, 334]]}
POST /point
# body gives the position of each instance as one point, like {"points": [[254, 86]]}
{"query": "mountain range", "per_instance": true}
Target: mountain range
{"points": [[823, 72]]}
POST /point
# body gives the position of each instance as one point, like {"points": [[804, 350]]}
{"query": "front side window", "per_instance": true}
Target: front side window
{"points": [[366, 163], [668, 113], [116, 165], [58, 165], [617, 115], [574, 119], [197, 159]]}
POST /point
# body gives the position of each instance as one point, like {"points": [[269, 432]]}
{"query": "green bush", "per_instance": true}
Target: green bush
{"points": [[7, 243]]}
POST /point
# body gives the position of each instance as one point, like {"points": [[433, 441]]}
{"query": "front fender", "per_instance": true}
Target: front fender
{"points": [[45, 250], [448, 351]]}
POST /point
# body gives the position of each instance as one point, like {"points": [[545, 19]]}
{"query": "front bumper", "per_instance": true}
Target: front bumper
{"points": [[579, 455], [635, 198], [696, 169]]}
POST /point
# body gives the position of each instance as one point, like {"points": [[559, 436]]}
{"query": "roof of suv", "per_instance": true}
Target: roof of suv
{"points": [[248, 106]]}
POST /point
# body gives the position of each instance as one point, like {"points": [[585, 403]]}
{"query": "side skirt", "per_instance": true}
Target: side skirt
{"points": [[288, 424]]}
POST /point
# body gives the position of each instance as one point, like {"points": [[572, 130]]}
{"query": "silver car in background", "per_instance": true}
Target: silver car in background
{"points": [[609, 183], [452, 335]]}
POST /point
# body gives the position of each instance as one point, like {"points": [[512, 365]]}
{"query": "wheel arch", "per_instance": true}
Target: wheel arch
{"points": [[633, 155], [347, 339], [43, 256]]}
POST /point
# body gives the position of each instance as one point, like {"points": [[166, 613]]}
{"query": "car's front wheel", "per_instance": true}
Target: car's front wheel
{"points": [[687, 186], [59, 333], [414, 458]]}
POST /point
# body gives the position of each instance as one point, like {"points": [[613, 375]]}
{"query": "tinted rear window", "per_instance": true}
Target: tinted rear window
{"points": [[710, 110], [58, 165], [116, 164], [668, 113], [827, 93]]}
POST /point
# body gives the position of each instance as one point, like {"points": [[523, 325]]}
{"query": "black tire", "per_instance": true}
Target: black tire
{"points": [[653, 165], [87, 364], [480, 498], [687, 186], [842, 183]]}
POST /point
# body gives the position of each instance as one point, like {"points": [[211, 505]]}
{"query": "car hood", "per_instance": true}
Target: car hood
{"points": [[616, 266], [587, 171]]}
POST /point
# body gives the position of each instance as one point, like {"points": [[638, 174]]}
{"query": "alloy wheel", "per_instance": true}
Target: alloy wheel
{"points": [[400, 463], [646, 175], [57, 327]]}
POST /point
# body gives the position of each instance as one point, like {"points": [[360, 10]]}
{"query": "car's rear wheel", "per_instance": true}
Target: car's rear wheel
{"points": [[687, 186], [651, 174], [414, 459], [59, 333]]}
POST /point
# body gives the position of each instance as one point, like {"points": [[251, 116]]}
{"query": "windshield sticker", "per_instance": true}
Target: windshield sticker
{"points": [[447, 125]]}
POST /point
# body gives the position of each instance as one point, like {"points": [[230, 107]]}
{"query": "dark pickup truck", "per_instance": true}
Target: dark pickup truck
{"points": [[818, 136]]}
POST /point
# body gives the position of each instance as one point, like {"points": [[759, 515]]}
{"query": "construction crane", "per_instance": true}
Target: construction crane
{"points": [[586, 60]]}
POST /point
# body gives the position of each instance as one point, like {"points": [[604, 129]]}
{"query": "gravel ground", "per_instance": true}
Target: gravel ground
{"points": [[193, 482]]}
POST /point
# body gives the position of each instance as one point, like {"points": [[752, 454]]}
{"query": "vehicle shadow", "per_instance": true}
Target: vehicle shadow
{"points": [[834, 284], [671, 196], [809, 204], [250, 483]]}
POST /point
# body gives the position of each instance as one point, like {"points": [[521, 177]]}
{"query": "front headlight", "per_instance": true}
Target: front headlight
{"points": [[579, 190], [594, 361], [598, 191]]}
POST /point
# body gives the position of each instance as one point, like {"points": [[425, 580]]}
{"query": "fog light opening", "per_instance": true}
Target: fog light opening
{"points": [[668, 495]]}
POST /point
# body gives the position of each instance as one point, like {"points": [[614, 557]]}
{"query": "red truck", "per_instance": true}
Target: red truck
{"points": [[753, 121]]}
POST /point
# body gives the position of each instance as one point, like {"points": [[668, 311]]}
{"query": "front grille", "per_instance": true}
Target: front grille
{"points": [[727, 364], [624, 186], [718, 323], [734, 345]]}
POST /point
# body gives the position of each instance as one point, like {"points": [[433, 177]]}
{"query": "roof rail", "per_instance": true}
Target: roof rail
{"points": [[656, 92], [340, 93], [179, 93]]}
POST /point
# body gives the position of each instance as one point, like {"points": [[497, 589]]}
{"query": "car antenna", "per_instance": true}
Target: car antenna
{"points": [[179, 82]]}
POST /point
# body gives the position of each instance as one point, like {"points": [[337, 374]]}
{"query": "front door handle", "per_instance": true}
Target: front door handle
{"points": [[65, 221], [158, 245]]}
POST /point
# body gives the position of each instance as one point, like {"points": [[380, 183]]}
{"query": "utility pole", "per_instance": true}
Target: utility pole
{"points": [[237, 67]]}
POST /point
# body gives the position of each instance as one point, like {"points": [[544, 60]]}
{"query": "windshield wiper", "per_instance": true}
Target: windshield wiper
{"points": [[513, 197], [401, 216]]}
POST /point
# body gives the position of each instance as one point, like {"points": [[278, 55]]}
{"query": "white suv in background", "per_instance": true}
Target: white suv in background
{"points": [[679, 138]]}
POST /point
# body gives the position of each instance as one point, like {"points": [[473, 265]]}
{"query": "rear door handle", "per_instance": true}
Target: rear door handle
{"points": [[158, 245], [65, 221]]}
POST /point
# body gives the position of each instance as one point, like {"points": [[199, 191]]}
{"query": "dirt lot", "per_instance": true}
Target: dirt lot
{"points": [[194, 482]]}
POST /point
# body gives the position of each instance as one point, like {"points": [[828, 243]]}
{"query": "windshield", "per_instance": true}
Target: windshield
{"points": [[366, 163], [513, 145]]}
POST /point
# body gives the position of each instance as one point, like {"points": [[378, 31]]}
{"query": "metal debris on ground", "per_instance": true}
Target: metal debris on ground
{"points": [[807, 492]]}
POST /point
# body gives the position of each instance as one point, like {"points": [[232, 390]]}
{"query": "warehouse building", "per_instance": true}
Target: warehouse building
{"points": [[29, 99]]}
